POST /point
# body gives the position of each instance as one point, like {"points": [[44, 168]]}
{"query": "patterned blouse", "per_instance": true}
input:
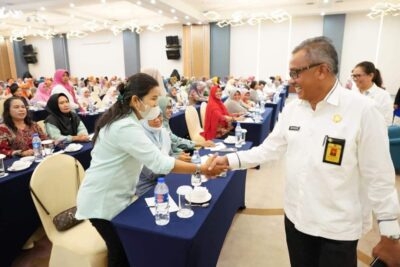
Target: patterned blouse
{"points": [[11, 143]]}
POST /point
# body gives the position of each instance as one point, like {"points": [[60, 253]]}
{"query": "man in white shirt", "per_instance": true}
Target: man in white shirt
{"points": [[335, 155]]}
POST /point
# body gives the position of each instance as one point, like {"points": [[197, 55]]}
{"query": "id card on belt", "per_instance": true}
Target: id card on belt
{"points": [[334, 148]]}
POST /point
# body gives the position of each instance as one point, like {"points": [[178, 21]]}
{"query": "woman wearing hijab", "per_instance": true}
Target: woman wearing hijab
{"points": [[218, 121], [233, 104], [61, 85], [178, 144], [43, 93], [62, 123]]}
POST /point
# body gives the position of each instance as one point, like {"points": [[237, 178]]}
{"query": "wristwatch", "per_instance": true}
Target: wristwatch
{"points": [[198, 169]]}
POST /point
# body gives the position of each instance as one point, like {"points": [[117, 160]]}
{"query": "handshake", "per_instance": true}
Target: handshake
{"points": [[215, 166]]}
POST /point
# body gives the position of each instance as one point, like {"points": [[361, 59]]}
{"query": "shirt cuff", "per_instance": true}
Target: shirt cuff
{"points": [[389, 228], [234, 161]]}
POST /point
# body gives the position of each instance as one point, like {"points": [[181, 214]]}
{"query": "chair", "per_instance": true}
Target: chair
{"points": [[193, 124], [396, 113], [394, 145], [81, 245], [97, 99], [42, 126], [203, 108]]}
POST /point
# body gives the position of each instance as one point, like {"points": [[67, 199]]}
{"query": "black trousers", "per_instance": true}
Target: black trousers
{"points": [[311, 251], [116, 252]]}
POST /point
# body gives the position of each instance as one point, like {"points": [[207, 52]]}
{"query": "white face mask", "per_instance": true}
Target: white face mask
{"points": [[149, 113]]}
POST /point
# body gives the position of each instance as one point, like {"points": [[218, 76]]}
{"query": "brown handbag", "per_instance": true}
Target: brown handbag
{"points": [[65, 219]]}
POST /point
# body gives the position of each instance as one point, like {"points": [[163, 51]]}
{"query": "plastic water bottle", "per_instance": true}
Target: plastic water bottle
{"points": [[90, 107], [238, 135], [162, 202], [37, 147], [196, 178]]}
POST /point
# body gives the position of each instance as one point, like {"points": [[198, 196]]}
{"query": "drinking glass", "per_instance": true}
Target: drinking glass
{"points": [[48, 147], [185, 207], [2, 167]]}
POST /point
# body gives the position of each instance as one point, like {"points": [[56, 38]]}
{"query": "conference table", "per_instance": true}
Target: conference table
{"points": [[18, 216], [194, 242], [258, 131], [88, 119], [277, 107]]}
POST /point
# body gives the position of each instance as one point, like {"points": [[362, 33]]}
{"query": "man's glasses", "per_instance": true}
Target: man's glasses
{"points": [[294, 73]]}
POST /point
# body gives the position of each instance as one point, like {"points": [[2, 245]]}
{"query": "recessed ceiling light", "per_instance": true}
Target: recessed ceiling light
{"points": [[160, 11], [200, 22], [186, 17], [103, 1], [175, 18], [172, 10], [322, 13], [153, 2], [188, 23], [326, 1], [42, 8], [72, 5], [138, 3]]}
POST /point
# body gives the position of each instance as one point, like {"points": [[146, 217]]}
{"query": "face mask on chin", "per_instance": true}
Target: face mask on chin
{"points": [[149, 113]]}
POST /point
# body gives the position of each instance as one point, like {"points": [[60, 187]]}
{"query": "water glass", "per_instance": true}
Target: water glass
{"points": [[48, 147], [196, 180], [244, 131], [185, 207], [2, 167]]}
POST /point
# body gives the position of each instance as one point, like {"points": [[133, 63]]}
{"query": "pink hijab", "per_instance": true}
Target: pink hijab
{"points": [[42, 93], [58, 80]]}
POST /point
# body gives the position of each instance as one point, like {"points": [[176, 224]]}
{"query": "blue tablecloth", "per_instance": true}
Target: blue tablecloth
{"points": [[194, 242], [18, 216], [276, 108], [257, 132]]}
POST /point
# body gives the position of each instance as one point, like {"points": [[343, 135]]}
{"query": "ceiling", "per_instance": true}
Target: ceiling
{"points": [[79, 18]]}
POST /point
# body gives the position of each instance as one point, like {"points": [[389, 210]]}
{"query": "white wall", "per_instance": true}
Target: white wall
{"points": [[98, 54], [153, 53], [45, 56], [360, 44], [254, 51], [263, 51]]}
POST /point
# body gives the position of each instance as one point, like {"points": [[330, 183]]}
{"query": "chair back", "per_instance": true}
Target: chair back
{"points": [[97, 99], [54, 181], [203, 108], [2, 106], [42, 126], [193, 124]]}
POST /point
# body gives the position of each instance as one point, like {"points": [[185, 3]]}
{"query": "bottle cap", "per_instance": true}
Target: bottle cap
{"points": [[161, 180]]}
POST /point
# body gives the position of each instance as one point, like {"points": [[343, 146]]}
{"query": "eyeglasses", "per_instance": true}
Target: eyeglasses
{"points": [[356, 76], [294, 73]]}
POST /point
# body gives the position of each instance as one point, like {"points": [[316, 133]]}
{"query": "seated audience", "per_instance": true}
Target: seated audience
{"points": [[173, 94], [61, 84], [196, 93], [160, 137], [17, 129], [233, 103], [110, 97], [218, 121], [62, 123], [178, 144], [246, 102], [43, 93]]}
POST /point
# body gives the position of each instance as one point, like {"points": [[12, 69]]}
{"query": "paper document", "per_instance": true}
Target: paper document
{"points": [[151, 204]]}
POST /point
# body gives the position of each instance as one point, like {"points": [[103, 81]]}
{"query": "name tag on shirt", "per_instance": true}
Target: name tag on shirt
{"points": [[294, 128], [334, 148]]}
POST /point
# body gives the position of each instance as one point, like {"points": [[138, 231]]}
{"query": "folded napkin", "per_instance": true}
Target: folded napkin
{"points": [[217, 147], [152, 205]]}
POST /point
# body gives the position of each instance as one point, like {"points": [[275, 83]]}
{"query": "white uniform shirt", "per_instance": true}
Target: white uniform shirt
{"points": [[383, 102], [324, 199]]}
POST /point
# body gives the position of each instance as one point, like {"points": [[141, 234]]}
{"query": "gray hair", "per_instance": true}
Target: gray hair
{"points": [[319, 50]]}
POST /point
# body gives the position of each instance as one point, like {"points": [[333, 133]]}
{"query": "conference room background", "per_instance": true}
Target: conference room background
{"points": [[240, 51]]}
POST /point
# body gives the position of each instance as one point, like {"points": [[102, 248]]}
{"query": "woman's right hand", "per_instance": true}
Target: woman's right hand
{"points": [[26, 153], [213, 166], [185, 157]]}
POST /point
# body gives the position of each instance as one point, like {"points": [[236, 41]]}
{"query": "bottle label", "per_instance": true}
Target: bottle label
{"points": [[161, 198]]}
